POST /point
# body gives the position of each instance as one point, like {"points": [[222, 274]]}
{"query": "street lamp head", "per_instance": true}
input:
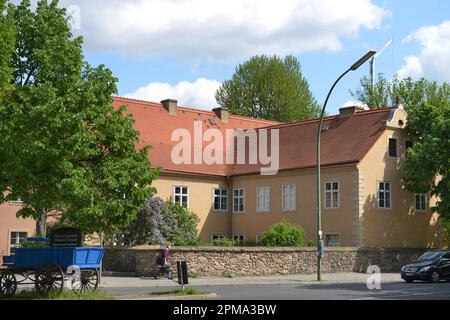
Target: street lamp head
{"points": [[361, 61]]}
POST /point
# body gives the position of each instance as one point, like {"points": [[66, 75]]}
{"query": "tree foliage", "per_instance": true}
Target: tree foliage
{"points": [[160, 222], [284, 234], [7, 40], [269, 88], [65, 149]]}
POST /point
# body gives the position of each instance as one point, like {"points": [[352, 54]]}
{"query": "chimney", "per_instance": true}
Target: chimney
{"points": [[171, 106], [350, 111], [222, 113]]}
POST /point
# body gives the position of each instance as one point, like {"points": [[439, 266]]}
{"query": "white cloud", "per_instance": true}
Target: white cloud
{"points": [[434, 59], [199, 94], [222, 30]]}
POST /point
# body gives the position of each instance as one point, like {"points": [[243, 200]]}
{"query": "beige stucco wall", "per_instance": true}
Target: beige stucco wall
{"points": [[200, 200], [9, 223], [334, 221], [400, 226]]}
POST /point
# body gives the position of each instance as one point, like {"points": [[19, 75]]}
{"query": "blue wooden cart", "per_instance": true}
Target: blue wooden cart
{"points": [[48, 268]]}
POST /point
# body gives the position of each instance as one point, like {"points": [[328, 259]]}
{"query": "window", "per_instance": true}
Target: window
{"points": [[181, 196], [420, 202], [332, 195], [262, 199], [332, 240], [258, 239], [384, 195], [288, 198], [393, 148], [238, 200], [220, 199], [217, 237], [240, 240], [16, 239]]}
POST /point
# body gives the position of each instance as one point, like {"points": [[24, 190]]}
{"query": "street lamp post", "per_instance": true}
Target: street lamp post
{"points": [[320, 244]]}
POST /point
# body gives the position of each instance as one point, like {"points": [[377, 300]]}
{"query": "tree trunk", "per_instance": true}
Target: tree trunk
{"points": [[41, 224]]}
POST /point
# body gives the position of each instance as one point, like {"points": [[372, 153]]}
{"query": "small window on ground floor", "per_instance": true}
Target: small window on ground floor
{"points": [[240, 240], [332, 240], [217, 237], [16, 239]]}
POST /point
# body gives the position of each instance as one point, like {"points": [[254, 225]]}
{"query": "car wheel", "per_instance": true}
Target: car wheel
{"points": [[409, 280], [435, 277]]}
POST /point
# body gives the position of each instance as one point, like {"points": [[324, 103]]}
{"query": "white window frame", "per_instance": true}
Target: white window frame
{"points": [[396, 147], [239, 197], [283, 204], [214, 196], [10, 237], [17, 202], [243, 239], [258, 238], [181, 195], [217, 235], [332, 191], [258, 195], [390, 195], [425, 202], [333, 234]]}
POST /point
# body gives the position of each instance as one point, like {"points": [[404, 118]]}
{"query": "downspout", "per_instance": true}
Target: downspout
{"points": [[230, 205]]}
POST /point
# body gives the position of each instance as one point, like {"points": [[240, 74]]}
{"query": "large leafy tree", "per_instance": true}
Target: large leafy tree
{"points": [[269, 88], [7, 40], [67, 151]]}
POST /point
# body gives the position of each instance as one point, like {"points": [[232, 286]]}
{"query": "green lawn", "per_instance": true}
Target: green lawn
{"points": [[66, 295]]}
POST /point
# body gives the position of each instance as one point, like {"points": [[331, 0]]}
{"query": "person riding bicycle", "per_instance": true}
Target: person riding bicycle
{"points": [[163, 263]]}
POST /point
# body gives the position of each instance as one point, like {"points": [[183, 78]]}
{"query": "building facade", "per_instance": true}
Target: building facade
{"points": [[363, 152]]}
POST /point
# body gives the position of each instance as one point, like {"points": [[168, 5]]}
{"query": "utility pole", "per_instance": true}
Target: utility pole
{"points": [[372, 62]]}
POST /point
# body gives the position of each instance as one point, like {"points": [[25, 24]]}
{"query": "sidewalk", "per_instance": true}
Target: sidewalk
{"points": [[108, 282]]}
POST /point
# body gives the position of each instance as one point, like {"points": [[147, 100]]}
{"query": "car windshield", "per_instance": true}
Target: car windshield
{"points": [[430, 256]]}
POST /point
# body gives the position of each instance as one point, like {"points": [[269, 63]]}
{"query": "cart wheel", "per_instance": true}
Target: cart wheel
{"points": [[88, 281], [8, 284], [49, 279]]}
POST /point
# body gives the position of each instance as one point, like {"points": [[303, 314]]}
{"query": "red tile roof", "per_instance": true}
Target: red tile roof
{"points": [[156, 126], [346, 141]]}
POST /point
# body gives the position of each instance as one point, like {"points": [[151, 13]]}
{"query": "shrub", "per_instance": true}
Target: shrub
{"points": [[224, 242], [284, 234]]}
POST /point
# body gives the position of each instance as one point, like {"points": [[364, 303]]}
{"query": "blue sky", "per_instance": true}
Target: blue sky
{"points": [[155, 54]]}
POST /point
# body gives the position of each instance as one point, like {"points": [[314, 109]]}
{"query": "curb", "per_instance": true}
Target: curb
{"points": [[192, 297]]}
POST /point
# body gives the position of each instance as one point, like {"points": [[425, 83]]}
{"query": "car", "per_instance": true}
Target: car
{"points": [[432, 266]]}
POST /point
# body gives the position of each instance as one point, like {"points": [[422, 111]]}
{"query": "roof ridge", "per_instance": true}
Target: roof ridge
{"points": [[156, 104], [329, 118]]}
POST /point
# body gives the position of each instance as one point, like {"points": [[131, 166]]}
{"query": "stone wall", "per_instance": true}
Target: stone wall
{"points": [[235, 261]]}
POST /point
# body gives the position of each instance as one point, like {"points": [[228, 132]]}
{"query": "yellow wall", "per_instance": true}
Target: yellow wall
{"points": [[334, 221], [200, 200], [400, 226]]}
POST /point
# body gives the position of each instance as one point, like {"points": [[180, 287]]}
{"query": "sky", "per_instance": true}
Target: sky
{"points": [[184, 49]]}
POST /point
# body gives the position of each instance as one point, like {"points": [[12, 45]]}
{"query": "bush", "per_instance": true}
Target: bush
{"points": [[160, 222], [284, 234], [224, 242]]}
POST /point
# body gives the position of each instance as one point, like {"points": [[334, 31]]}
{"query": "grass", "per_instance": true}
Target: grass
{"points": [[66, 295], [178, 292], [227, 275]]}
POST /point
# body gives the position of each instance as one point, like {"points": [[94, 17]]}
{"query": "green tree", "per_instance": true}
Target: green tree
{"points": [[408, 92], [284, 234], [269, 88], [7, 40], [67, 151]]}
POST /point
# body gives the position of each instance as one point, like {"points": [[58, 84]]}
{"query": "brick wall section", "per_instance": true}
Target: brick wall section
{"points": [[220, 261]]}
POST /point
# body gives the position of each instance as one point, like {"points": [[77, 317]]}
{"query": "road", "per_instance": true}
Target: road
{"points": [[342, 291]]}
